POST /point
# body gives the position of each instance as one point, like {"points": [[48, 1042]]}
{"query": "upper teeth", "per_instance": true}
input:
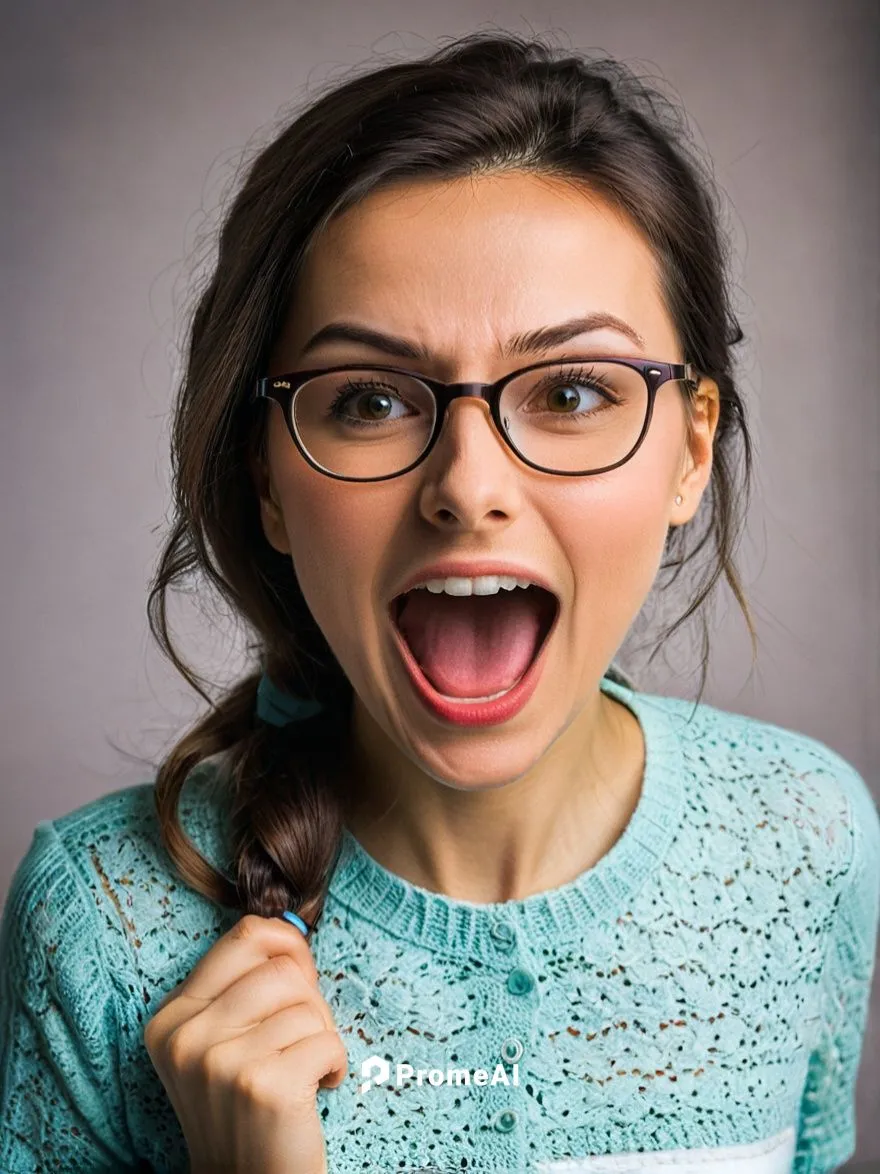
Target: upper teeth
{"points": [[481, 585]]}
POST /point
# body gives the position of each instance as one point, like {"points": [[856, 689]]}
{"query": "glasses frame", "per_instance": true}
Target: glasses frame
{"points": [[282, 388]]}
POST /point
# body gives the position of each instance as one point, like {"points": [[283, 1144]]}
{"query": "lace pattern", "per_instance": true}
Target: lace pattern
{"points": [[705, 984]]}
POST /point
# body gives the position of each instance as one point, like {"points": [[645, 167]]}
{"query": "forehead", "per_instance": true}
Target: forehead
{"points": [[463, 264]]}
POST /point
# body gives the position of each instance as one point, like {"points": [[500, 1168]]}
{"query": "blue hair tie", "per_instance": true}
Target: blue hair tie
{"points": [[278, 708], [296, 920]]}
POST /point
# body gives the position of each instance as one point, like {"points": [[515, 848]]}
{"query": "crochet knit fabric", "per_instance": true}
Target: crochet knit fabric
{"points": [[701, 992]]}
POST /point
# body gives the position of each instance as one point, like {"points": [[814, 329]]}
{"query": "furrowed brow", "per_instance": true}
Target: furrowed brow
{"points": [[531, 342]]}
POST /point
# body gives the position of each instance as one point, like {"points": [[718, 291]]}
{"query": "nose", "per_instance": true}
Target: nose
{"points": [[461, 416]]}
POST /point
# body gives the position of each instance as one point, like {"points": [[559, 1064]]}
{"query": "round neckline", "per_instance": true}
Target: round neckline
{"points": [[451, 925]]}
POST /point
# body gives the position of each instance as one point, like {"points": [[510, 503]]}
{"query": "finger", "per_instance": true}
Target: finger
{"points": [[267, 989], [272, 1035], [315, 1059], [251, 941], [276, 983]]}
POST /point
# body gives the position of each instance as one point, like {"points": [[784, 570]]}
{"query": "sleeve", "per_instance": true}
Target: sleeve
{"points": [[827, 1127], [61, 1105]]}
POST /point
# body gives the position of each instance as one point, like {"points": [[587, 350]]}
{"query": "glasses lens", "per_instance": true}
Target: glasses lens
{"points": [[575, 418], [568, 418], [364, 423]]}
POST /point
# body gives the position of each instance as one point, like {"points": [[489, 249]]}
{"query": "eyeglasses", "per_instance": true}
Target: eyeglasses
{"points": [[572, 417]]}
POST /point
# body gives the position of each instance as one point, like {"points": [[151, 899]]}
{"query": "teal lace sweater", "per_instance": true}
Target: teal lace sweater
{"points": [[698, 996]]}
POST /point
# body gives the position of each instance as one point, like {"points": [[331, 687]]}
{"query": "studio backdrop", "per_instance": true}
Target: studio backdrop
{"points": [[125, 128]]}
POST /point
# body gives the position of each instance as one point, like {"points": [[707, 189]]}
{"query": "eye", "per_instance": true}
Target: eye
{"points": [[352, 392]]}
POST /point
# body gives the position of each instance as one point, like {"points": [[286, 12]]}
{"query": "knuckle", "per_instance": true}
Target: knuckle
{"points": [[152, 1034], [341, 1049], [248, 927], [335, 1047], [214, 1065], [306, 1020], [284, 965], [250, 1083], [315, 1017], [179, 1048]]}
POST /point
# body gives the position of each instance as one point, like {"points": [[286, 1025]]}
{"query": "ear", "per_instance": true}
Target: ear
{"points": [[701, 421], [271, 514]]}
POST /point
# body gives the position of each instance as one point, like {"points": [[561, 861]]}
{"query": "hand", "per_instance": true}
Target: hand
{"points": [[242, 1046]]}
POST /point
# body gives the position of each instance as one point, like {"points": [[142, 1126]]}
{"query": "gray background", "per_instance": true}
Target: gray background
{"points": [[123, 127]]}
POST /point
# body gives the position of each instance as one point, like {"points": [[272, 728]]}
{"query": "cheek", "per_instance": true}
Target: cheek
{"points": [[337, 532], [618, 538]]}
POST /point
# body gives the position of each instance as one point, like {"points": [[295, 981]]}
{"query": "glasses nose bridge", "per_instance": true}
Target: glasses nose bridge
{"points": [[471, 390], [447, 393]]}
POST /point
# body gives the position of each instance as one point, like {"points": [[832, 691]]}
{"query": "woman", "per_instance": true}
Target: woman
{"points": [[459, 388]]}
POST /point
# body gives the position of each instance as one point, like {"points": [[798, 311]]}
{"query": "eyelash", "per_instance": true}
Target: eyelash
{"points": [[571, 374]]}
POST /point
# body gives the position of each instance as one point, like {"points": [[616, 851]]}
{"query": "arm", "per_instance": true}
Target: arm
{"points": [[827, 1129], [61, 1105]]}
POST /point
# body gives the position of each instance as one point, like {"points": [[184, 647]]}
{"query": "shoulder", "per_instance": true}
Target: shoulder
{"points": [[59, 946], [67, 894], [100, 876], [764, 778]]}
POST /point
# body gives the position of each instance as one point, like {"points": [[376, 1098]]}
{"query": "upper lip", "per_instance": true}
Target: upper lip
{"points": [[459, 568]]}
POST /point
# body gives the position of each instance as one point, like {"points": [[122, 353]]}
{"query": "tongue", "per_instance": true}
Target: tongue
{"points": [[472, 645]]}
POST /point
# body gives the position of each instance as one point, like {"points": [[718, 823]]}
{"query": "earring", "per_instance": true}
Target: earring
{"points": [[679, 499]]}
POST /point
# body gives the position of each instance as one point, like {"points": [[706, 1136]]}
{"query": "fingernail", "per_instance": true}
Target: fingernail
{"points": [[295, 920]]}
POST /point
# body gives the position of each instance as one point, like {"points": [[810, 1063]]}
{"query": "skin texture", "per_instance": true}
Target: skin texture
{"points": [[459, 267]]}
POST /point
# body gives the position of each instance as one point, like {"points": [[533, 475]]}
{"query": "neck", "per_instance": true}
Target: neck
{"points": [[501, 842]]}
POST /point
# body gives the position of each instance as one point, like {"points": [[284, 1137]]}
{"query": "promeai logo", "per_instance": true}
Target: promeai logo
{"points": [[377, 1070]]}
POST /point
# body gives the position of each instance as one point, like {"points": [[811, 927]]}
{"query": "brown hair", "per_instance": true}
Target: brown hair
{"points": [[485, 102]]}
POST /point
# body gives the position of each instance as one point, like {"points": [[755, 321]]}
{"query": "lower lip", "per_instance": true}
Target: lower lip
{"points": [[475, 713]]}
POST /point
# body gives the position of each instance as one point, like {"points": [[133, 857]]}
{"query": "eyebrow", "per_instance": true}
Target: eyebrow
{"points": [[538, 341]]}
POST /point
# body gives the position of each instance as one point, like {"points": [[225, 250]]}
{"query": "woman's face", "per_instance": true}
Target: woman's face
{"points": [[459, 268]]}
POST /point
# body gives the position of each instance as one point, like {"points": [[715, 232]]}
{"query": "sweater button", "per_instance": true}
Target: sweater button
{"points": [[519, 982], [503, 935], [505, 1120], [511, 1050]]}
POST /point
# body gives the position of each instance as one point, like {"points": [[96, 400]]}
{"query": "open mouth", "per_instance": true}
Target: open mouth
{"points": [[477, 647], [545, 602]]}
